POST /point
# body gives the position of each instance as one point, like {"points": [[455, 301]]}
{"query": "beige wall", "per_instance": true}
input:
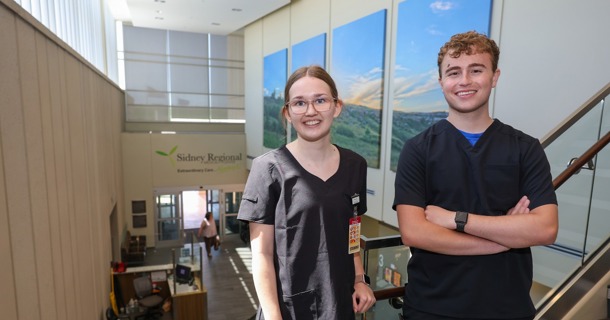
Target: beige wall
{"points": [[212, 161], [60, 175]]}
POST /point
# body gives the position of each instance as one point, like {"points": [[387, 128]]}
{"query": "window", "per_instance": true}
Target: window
{"points": [[173, 76]]}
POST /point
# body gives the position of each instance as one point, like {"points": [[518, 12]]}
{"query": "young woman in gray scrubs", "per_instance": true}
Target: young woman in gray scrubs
{"points": [[300, 200]]}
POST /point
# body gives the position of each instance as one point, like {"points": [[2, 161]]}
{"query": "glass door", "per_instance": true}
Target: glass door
{"points": [[231, 224], [214, 205], [168, 219]]}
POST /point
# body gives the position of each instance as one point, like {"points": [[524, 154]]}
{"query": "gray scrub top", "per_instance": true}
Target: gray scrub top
{"points": [[314, 271]]}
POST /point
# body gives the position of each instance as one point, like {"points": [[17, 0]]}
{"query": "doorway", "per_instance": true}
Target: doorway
{"points": [[179, 212], [230, 223], [168, 219]]}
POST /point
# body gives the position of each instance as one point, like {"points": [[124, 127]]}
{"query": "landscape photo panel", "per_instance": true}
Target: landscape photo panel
{"points": [[357, 66], [275, 67], [306, 53], [423, 28], [309, 52]]}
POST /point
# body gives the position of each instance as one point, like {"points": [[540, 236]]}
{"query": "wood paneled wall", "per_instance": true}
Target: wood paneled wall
{"points": [[60, 175]]}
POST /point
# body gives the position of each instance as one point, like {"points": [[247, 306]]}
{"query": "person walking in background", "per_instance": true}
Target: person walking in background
{"points": [[472, 195], [303, 201], [208, 231]]}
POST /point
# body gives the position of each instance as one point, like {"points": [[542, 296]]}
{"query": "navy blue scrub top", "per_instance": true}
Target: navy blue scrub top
{"points": [[441, 167]]}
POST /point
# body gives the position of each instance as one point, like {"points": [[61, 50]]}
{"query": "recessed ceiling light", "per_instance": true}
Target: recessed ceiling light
{"points": [[236, 9], [215, 23], [158, 18], [159, 11]]}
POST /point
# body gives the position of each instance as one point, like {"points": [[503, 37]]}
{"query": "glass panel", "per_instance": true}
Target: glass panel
{"points": [[137, 113], [224, 103], [232, 225], [185, 113], [167, 206], [229, 47], [583, 216], [188, 44], [599, 219], [144, 40], [139, 97], [189, 257], [228, 114], [386, 265], [232, 201], [145, 76], [227, 81], [169, 220], [168, 230], [218, 45], [189, 78], [191, 100]]}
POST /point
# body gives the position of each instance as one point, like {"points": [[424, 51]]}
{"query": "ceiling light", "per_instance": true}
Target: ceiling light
{"points": [[215, 23], [159, 11], [236, 9], [158, 18]]}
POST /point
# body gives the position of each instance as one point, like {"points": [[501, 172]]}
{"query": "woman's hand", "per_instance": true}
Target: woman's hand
{"points": [[363, 297]]}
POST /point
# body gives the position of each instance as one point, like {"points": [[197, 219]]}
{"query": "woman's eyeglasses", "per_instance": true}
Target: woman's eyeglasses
{"points": [[320, 104]]}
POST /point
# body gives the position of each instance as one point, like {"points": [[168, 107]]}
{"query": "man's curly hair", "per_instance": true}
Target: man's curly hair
{"points": [[470, 42]]}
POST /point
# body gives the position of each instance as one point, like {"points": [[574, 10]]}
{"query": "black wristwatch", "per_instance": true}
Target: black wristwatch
{"points": [[362, 278], [461, 218]]}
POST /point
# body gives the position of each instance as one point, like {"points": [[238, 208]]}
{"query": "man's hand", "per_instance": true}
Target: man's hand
{"points": [[440, 216], [521, 207]]}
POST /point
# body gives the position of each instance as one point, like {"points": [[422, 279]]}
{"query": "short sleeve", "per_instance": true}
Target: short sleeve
{"points": [[362, 206], [261, 193], [409, 185], [537, 178]]}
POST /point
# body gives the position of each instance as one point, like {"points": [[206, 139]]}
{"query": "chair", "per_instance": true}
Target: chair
{"points": [[146, 298], [110, 315]]}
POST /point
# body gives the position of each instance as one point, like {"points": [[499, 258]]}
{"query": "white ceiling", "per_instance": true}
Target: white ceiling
{"points": [[219, 17]]}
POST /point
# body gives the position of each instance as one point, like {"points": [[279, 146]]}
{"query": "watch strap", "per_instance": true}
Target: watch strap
{"points": [[362, 278]]}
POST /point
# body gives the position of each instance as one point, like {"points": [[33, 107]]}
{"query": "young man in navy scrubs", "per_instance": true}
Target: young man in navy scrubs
{"points": [[472, 195]]}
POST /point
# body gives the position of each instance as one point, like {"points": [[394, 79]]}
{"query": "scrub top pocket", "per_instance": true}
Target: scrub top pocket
{"points": [[302, 306]]}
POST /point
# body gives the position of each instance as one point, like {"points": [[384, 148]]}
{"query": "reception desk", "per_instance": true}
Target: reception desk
{"points": [[124, 283], [188, 301]]}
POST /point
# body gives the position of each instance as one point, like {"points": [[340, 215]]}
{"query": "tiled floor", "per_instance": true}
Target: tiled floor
{"points": [[227, 277]]}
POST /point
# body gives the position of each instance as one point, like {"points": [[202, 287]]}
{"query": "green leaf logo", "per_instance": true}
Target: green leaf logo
{"points": [[168, 155]]}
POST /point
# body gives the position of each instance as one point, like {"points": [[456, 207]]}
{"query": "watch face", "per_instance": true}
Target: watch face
{"points": [[461, 217]]}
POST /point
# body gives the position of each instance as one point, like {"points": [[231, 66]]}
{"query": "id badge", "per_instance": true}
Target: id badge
{"points": [[354, 235]]}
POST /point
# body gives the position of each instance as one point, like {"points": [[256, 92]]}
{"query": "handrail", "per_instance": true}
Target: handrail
{"points": [[557, 182], [581, 161], [575, 116], [389, 293]]}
